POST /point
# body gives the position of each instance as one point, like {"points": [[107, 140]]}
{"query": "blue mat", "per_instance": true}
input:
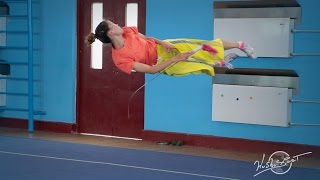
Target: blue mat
{"points": [[27, 158]]}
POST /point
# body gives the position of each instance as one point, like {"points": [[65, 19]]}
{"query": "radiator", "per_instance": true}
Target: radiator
{"points": [[251, 104]]}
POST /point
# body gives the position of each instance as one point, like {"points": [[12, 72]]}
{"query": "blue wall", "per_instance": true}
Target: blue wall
{"points": [[18, 53], [56, 55], [174, 104], [59, 59], [180, 104], [184, 104]]}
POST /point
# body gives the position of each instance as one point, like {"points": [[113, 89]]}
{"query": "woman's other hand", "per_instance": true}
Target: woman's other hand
{"points": [[168, 46]]}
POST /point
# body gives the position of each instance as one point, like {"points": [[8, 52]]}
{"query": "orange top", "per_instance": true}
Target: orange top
{"points": [[135, 49]]}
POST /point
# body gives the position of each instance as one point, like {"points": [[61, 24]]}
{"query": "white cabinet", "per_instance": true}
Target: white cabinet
{"points": [[251, 104], [270, 37]]}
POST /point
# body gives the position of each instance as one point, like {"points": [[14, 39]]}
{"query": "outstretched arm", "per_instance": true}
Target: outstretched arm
{"points": [[140, 67], [166, 45]]}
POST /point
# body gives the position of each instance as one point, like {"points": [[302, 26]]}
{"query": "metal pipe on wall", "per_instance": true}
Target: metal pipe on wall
{"points": [[303, 124], [305, 54], [30, 69], [303, 101], [305, 31]]}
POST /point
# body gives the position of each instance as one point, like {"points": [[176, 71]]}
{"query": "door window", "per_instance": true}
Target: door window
{"points": [[132, 14], [96, 48]]}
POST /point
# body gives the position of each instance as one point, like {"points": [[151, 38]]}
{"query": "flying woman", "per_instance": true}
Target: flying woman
{"points": [[133, 51]]}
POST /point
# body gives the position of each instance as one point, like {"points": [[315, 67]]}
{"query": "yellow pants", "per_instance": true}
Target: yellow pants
{"points": [[185, 67]]}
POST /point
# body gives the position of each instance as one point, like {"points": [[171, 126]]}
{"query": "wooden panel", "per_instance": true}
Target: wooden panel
{"points": [[103, 95]]}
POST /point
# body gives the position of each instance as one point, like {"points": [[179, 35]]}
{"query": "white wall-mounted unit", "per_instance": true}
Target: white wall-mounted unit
{"points": [[251, 104], [270, 37], [253, 96], [265, 24]]}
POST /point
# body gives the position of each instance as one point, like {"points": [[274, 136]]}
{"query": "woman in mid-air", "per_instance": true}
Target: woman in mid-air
{"points": [[133, 51]]}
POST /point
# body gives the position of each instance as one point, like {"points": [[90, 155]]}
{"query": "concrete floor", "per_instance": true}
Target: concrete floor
{"points": [[150, 146]]}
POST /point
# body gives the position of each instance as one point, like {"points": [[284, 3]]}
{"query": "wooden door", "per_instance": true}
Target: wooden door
{"points": [[103, 94]]}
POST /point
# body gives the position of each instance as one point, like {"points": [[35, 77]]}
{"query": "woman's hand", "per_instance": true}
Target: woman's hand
{"points": [[182, 56], [140, 67], [168, 46]]}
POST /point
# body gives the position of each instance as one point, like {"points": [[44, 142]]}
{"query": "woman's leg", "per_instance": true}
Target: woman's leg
{"points": [[246, 48], [229, 45]]}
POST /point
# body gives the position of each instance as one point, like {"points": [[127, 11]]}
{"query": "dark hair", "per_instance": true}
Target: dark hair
{"points": [[100, 33]]}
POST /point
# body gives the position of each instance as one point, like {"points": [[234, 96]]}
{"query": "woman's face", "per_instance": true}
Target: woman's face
{"points": [[114, 29]]}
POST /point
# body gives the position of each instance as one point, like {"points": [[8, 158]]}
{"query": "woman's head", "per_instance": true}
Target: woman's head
{"points": [[106, 31], [101, 33]]}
